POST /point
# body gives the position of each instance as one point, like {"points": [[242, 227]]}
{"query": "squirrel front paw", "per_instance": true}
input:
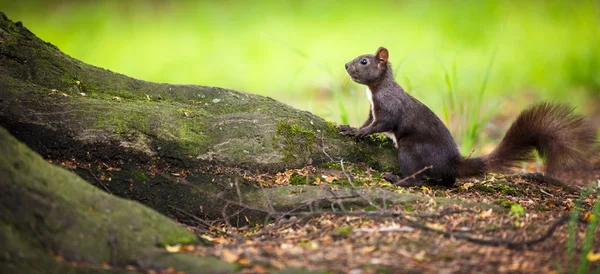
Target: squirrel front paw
{"points": [[347, 130]]}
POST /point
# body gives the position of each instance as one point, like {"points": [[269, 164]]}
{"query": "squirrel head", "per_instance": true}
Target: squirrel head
{"points": [[367, 69]]}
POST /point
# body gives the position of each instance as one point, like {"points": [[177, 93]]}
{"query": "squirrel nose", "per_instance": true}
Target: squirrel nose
{"points": [[346, 65]]}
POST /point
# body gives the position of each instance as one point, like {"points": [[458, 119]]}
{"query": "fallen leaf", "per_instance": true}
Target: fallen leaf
{"points": [[173, 248], [229, 256], [219, 240], [466, 186], [592, 257], [420, 256], [368, 249], [485, 214], [258, 269], [244, 261], [188, 248], [435, 226]]}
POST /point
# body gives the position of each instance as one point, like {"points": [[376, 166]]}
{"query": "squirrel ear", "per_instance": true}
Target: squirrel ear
{"points": [[382, 54]]}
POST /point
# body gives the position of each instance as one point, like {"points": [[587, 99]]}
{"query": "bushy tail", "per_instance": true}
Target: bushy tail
{"points": [[562, 139]]}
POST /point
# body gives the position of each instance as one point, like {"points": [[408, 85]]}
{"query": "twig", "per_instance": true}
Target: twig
{"points": [[98, 180], [548, 180], [354, 189], [497, 242], [269, 203], [386, 229], [194, 217], [470, 154], [373, 214], [323, 148], [237, 190], [412, 176]]}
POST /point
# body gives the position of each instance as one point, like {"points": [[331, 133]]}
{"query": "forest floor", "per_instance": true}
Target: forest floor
{"points": [[496, 224]]}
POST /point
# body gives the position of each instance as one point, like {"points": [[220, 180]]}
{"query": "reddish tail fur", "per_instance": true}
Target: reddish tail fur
{"points": [[561, 138]]}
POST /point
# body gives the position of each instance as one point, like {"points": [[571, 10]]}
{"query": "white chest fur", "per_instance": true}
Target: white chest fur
{"points": [[370, 97], [389, 134]]}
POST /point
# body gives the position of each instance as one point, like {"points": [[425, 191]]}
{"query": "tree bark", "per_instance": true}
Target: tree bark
{"points": [[52, 221], [122, 133]]}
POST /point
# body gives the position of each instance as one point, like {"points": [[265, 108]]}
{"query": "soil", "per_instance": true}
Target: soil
{"points": [[496, 224]]}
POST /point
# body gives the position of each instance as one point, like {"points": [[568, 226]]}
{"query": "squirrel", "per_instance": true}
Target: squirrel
{"points": [[426, 149]]}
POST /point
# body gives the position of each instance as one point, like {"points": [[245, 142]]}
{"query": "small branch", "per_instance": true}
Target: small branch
{"points": [[354, 189], [497, 242], [192, 216], [470, 154], [98, 180], [412, 176], [548, 180]]}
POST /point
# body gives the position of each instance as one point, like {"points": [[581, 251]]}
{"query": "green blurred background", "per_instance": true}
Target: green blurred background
{"points": [[475, 63]]}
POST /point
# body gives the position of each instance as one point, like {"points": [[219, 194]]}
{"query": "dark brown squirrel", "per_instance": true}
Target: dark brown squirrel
{"points": [[561, 138]]}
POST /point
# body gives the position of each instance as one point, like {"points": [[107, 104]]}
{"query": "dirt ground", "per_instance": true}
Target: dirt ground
{"points": [[496, 224]]}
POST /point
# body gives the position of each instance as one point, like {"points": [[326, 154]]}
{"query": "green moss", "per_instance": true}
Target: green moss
{"points": [[408, 206], [370, 208], [343, 231], [516, 210], [138, 175], [296, 179], [76, 219], [176, 237], [504, 202], [358, 170], [330, 127], [163, 122], [498, 187], [376, 175], [297, 142], [332, 165], [379, 139]]}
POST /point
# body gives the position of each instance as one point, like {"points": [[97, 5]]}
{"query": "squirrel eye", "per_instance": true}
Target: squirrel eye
{"points": [[363, 61]]}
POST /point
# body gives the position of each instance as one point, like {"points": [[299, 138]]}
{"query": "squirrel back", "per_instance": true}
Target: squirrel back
{"points": [[426, 149]]}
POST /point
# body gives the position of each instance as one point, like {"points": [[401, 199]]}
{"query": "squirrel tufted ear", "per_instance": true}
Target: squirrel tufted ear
{"points": [[382, 54]]}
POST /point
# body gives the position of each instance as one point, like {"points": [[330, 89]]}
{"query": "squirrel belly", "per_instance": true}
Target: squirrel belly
{"points": [[426, 149]]}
